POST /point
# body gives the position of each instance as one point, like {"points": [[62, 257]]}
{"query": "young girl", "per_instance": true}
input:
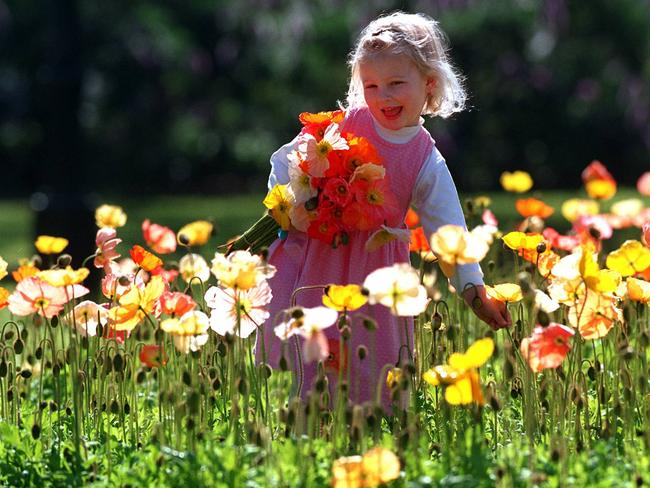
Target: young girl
{"points": [[399, 71]]}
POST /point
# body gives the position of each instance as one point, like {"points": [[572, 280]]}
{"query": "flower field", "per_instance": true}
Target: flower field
{"points": [[137, 367]]}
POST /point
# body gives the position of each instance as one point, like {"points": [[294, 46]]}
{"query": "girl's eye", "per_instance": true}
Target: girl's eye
{"points": [[368, 87], [396, 82]]}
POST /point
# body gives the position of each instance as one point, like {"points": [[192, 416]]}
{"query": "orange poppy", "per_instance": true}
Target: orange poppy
{"points": [[528, 207], [412, 219], [143, 258], [599, 183], [315, 124], [4, 296]]}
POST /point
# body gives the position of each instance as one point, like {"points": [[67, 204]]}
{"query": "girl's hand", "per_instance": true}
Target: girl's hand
{"points": [[492, 312]]}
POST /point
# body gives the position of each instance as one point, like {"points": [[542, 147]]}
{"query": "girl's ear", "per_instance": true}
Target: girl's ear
{"points": [[431, 85]]}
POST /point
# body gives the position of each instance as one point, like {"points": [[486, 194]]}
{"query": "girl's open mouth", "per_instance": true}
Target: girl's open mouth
{"points": [[392, 112]]}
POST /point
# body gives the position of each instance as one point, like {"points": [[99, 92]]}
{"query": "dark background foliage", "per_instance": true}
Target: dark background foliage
{"points": [[148, 97]]}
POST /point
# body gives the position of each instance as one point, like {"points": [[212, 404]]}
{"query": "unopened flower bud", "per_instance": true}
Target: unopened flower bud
{"points": [[64, 260]]}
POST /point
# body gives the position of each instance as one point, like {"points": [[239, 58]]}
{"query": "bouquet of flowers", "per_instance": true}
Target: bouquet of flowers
{"points": [[337, 185]]}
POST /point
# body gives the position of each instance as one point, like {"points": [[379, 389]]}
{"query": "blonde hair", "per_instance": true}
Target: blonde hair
{"points": [[419, 37]]}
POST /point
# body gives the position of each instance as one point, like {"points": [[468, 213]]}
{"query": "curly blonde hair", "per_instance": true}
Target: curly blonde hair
{"points": [[419, 37]]}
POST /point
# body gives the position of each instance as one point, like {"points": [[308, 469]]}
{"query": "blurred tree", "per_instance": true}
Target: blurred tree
{"points": [[194, 97]]}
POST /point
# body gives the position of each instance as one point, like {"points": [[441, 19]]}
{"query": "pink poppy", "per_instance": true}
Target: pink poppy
{"points": [[595, 225], [159, 238], [559, 241], [33, 295], [168, 275], [646, 233], [547, 346], [106, 240], [316, 347], [489, 218], [643, 184]]}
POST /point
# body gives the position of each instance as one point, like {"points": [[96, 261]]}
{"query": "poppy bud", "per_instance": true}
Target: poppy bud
{"points": [[541, 248], [36, 431], [115, 407], [187, 379], [18, 346], [369, 324], [265, 371], [297, 313], [25, 373], [64, 260], [54, 322], [216, 384], [436, 321], [3, 368], [124, 280], [183, 239], [362, 352], [346, 333], [283, 363]]}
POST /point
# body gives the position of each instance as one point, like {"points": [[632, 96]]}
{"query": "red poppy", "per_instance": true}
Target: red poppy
{"points": [[335, 362], [559, 241], [547, 346], [153, 356], [143, 258], [175, 303]]}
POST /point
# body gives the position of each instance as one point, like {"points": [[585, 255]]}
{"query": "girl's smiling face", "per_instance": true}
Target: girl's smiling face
{"points": [[394, 89]]}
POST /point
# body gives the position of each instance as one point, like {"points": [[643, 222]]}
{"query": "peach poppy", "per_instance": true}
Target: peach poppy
{"points": [[106, 240], [528, 207], [643, 184], [135, 304], [547, 346], [638, 290], [158, 237], [175, 303], [594, 314], [646, 233], [33, 295]]}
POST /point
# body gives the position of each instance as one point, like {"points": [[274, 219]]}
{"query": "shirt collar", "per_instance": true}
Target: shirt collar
{"points": [[400, 136]]}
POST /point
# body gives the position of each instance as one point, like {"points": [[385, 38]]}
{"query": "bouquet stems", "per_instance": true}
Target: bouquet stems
{"points": [[260, 235]]}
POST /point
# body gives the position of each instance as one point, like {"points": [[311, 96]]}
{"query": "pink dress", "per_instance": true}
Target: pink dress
{"points": [[302, 261]]}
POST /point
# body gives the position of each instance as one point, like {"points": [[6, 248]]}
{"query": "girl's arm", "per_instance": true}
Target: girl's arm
{"points": [[436, 200]]}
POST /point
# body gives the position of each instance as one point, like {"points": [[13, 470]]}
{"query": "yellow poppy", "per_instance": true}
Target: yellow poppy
{"points": [[519, 240], [50, 245], [601, 189], [603, 281], [279, 203], [631, 258], [344, 298], [578, 207], [504, 292], [594, 314], [460, 375], [110, 216], [3, 268], [195, 233], [135, 304], [64, 277], [516, 182], [377, 466]]}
